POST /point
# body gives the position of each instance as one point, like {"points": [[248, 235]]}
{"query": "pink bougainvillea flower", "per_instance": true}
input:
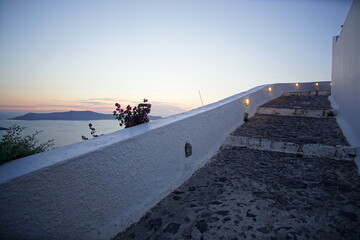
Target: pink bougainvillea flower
{"points": [[133, 116]]}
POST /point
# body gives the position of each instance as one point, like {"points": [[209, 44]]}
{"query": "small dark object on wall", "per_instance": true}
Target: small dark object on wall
{"points": [[246, 117], [330, 114], [188, 149]]}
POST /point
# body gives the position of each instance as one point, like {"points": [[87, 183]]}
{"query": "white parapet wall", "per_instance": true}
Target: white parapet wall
{"points": [[346, 75], [94, 189]]}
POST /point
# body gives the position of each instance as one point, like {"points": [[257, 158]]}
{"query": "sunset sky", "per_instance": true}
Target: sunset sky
{"points": [[87, 55]]}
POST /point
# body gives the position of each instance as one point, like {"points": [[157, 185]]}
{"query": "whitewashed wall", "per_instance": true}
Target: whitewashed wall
{"points": [[96, 188], [346, 75]]}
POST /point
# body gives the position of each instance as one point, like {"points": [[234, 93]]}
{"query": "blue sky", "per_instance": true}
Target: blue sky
{"points": [[87, 55]]}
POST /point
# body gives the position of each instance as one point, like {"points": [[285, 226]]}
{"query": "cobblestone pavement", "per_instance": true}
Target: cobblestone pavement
{"points": [[252, 194]]}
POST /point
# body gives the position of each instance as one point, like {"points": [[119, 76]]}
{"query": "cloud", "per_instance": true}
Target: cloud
{"points": [[104, 105], [167, 108], [102, 99], [91, 103]]}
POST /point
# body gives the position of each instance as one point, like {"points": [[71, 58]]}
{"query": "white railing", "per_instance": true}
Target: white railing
{"points": [[95, 189]]}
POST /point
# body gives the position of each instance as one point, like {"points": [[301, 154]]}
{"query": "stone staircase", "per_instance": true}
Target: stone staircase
{"points": [[299, 123], [287, 173], [302, 104]]}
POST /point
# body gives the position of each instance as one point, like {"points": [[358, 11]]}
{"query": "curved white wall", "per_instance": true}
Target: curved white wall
{"points": [[96, 188], [346, 75]]}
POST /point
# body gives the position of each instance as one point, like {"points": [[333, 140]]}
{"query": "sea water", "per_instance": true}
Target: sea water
{"points": [[63, 132]]}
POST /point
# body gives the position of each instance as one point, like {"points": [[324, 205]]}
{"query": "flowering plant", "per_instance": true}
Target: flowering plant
{"points": [[93, 131], [128, 117], [133, 116]]}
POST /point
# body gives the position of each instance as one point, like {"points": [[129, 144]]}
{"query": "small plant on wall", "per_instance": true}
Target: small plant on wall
{"points": [[93, 132], [130, 117]]}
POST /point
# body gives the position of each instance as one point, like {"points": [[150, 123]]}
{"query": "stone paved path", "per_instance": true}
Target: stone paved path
{"points": [[251, 194]]}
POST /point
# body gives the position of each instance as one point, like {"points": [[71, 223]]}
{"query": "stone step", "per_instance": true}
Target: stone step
{"points": [[308, 93], [319, 150], [306, 102], [297, 112], [296, 123], [301, 130]]}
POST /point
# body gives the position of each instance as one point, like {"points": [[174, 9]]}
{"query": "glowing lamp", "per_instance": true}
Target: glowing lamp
{"points": [[296, 85], [247, 101], [316, 84], [331, 84], [270, 89]]}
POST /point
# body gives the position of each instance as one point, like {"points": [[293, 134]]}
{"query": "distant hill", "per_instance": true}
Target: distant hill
{"points": [[71, 115]]}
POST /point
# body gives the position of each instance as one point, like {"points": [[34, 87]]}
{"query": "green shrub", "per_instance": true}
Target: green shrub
{"points": [[14, 146]]}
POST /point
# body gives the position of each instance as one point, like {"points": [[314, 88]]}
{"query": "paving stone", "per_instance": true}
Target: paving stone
{"points": [[172, 228], [263, 230], [202, 226], [349, 215], [293, 183], [154, 224]]}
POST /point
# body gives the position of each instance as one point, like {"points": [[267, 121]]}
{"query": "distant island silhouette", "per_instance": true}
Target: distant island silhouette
{"points": [[70, 115]]}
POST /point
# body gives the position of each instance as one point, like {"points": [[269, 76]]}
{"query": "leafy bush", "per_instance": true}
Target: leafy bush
{"points": [[13, 146]]}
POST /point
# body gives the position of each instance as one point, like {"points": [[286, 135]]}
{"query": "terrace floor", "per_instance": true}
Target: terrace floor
{"points": [[243, 193]]}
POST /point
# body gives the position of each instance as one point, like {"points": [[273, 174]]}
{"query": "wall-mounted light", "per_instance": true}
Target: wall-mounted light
{"points": [[331, 84], [317, 84], [296, 85], [270, 89], [247, 101]]}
